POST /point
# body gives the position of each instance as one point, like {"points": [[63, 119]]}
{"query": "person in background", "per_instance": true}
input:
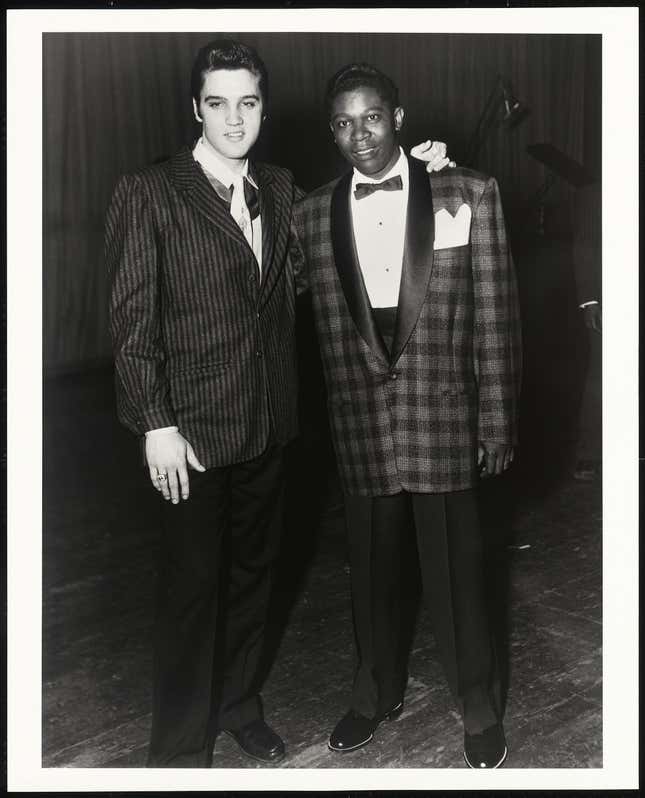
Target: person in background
{"points": [[587, 264], [587, 254], [202, 320], [415, 304]]}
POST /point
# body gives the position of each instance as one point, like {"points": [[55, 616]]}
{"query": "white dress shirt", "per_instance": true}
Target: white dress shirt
{"points": [[378, 221], [252, 229]]}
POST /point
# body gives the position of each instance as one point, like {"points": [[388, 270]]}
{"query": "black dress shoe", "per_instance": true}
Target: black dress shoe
{"points": [[258, 741], [354, 730], [486, 750]]}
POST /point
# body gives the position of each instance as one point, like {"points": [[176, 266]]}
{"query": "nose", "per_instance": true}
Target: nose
{"points": [[359, 132], [234, 117]]}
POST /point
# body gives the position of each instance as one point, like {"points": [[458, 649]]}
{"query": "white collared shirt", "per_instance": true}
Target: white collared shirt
{"points": [[220, 171], [379, 232]]}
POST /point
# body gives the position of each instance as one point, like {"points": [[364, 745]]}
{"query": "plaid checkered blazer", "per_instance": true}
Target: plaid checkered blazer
{"points": [[200, 341], [412, 419]]}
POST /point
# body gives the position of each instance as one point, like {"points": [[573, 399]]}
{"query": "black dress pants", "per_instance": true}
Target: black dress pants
{"points": [[448, 539], [240, 506]]}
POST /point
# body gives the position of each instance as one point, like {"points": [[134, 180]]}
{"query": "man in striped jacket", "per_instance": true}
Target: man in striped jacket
{"points": [[202, 319]]}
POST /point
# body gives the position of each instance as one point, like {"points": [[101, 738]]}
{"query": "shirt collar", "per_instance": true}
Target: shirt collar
{"points": [[399, 168], [217, 168]]}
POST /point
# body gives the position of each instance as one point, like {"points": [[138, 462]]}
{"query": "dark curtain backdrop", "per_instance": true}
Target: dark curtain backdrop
{"points": [[116, 102]]}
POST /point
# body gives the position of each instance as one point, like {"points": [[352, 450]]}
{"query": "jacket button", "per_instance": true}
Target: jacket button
{"points": [[392, 375], [251, 277], [258, 353]]}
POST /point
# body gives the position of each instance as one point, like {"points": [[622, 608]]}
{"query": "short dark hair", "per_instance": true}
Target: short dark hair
{"points": [[227, 54], [355, 76]]}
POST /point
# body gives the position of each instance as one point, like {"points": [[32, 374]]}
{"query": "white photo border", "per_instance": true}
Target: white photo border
{"points": [[619, 27]]}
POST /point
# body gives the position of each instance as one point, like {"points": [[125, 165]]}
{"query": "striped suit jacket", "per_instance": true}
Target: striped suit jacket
{"points": [[412, 419], [200, 341]]}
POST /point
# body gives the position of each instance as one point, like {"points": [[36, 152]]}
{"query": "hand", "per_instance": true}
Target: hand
{"points": [[593, 317], [434, 153], [169, 454], [493, 458]]}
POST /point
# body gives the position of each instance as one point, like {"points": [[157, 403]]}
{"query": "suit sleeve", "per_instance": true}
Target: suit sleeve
{"points": [[497, 339], [131, 251]]}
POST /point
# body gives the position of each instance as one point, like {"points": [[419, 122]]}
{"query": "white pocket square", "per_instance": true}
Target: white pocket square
{"points": [[452, 231]]}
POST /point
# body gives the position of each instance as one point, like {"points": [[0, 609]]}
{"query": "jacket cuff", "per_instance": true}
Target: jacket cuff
{"points": [[160, 431], [157, 418]]}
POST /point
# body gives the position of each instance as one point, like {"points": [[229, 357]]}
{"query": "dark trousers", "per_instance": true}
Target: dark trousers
{"points": [[206, 656], [448, 540]]}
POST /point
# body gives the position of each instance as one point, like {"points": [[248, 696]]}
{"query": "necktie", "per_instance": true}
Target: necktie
{"points": [[243, 203], [239, 209], [226, 193], [251, 197], [363, 190]]}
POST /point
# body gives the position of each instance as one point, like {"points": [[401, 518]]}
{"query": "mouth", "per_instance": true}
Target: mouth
{"points": [[365, 152], [237, 136]]}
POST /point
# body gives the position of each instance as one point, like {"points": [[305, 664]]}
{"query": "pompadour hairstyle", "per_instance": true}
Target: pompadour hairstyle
{"points": [[356, 76], [227, 54]]}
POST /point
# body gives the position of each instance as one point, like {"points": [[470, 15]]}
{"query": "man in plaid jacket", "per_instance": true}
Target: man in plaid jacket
{"points": [[416, 309]]}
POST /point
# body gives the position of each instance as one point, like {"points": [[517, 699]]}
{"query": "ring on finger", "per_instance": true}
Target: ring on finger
{"points": [[161, 477]]}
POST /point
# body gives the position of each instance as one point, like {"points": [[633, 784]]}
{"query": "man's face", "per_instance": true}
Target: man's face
{"points": [[365, 128], [230, 109]]}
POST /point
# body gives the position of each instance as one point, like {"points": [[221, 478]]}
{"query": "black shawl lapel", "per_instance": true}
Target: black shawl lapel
{"points": [[349, 272], [417, 256], [188, 177]]}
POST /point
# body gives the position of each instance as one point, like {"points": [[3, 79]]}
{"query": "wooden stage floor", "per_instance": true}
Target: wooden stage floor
{"points": [[99, 545]]}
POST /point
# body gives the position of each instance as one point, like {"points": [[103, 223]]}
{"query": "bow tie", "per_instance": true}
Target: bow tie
{"points": [[365, 189]]}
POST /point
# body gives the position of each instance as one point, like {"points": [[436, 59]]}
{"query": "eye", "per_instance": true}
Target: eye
{"points": [[373, 117], [341, 123], [215, 104], [250, 103]]}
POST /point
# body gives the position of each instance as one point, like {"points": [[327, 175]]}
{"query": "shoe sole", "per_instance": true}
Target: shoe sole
{"points": [[393, 715], [252, 756], [498, 765]]}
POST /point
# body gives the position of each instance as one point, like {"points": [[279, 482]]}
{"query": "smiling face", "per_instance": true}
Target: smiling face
{"points": [[365, 129], [230, 110]]}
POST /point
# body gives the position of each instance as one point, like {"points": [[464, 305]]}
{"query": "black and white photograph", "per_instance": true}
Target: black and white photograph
{"points": [[322, 438]]}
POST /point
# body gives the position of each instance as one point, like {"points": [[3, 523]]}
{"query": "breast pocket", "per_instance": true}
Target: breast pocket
{"points": [[452, 231]]}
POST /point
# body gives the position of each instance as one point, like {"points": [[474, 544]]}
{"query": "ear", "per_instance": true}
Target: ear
{"points": [[399, 114], [331, 127], [196, 112]]}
